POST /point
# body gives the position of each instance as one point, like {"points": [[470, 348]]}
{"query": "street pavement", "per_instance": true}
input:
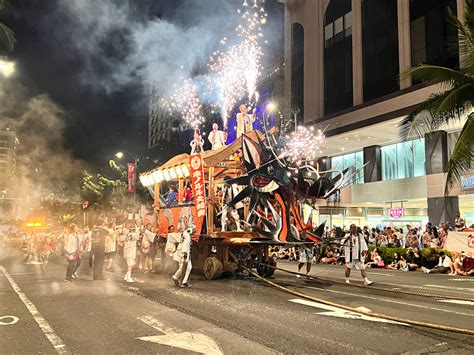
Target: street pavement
{"points": [[40, 313]]}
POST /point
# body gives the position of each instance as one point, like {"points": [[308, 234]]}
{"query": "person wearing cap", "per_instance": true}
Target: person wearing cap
{"points": [[183, 256]]}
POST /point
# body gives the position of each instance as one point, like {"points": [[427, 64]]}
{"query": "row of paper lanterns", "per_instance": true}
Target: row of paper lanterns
{"points": [[158, 176]]}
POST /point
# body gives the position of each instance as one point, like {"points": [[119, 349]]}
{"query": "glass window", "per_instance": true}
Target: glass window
{"points": [[389, 162], [338, 25], [359, 159], [328, 32], [404, 160], [419, 157], [348, 20]]}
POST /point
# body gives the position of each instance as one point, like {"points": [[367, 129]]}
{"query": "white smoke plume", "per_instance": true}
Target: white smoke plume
{"points": [[120, 43], [44, 168]]}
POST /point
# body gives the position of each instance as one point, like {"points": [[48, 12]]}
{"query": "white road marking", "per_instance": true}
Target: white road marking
{"points": [[342, 313], [464, 303], [13, 320], [397, 302], [53, 338], [196, 342], [466, 279], [20, 273], [451, 288]]}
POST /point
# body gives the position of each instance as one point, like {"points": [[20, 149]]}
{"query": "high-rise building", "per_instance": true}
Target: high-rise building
{"points": [[8, 144], [346, 63]]}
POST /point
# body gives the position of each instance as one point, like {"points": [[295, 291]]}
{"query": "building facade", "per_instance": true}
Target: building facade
{"points": [[8, 144], [345, 72]]}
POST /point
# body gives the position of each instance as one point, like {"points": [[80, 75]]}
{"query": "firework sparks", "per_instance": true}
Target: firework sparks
{"points": [[185, 101], [303, 146], [239, 67]]}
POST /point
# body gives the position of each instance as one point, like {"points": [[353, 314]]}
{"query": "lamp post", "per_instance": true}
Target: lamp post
{"points": [[7, 68], [120, 155]]}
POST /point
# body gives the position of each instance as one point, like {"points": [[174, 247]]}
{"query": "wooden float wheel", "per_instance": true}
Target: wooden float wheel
{"points": [[212, 268], [265, 270]]}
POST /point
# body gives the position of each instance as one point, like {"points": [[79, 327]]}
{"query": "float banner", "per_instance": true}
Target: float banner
{"points": [[461, 241], [199, 189], [132, 177]]}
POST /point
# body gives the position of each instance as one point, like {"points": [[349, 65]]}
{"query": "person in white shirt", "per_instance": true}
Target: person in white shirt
{"points": [[216, 137], [197, 144], [183, 256], [130, 249], [443, 267], [355, 249], [244, 121]]}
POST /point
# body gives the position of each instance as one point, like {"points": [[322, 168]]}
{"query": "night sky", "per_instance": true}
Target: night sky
{"points": [[100, 120]]}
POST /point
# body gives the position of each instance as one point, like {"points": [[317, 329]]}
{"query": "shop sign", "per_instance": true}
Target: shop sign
{"points": [[467, 182], [396, 212]]}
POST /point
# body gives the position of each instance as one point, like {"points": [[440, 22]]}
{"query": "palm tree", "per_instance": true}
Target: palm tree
{"points": [[453, 103], [7, 37]]}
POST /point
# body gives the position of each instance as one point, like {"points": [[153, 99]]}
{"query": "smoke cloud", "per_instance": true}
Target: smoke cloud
{"points": [[122, 42], [44, 168]]}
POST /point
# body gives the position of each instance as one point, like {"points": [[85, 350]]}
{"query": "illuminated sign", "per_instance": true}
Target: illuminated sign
{"points": [[396, 212], [467, 182]]}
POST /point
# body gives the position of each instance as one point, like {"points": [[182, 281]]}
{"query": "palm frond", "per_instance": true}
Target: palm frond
{"points": [[7, 38], [456, 102], [469, 16], [435, 74], [462, 156], [3, 5], [421, 120]]}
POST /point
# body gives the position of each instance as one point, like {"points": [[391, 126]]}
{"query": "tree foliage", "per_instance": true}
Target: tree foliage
{"points": [[7, 37], [107, 192], [454, 104]]}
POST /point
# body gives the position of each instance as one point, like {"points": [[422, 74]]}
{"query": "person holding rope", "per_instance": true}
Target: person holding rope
{"points": [[355, 249]]}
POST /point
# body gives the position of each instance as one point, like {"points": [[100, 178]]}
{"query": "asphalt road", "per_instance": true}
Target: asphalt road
{"points": [[40, 313]]}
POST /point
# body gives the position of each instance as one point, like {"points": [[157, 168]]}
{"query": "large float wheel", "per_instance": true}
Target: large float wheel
{"points": [[265, 269], [212, 268]]}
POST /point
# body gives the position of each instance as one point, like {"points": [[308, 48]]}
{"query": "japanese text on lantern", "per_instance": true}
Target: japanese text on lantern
{"points": [[197, 178]]}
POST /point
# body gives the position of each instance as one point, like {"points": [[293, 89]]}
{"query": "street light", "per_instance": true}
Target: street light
{"points": [[271, 106], [6, 68], [119, 155]]}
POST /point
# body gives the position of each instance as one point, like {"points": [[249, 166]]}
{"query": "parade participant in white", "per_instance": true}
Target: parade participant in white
{"points": [[216, 137], [306, 257], [244, 121], [355, 249], [130, 250], [183, 257], [197, 144]]}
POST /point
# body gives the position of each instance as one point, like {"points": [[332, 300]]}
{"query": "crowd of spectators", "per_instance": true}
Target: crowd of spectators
{"points": [[408, 248]]}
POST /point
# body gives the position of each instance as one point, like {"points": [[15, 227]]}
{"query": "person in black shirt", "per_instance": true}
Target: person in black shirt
{"points": [[98, 248]]}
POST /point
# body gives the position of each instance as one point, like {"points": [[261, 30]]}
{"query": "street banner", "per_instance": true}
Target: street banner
{"points": [[199, 189], [132, 177], [461, 241]]}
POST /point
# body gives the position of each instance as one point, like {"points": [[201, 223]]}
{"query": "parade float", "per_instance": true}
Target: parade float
{"points": [[272, 191]]}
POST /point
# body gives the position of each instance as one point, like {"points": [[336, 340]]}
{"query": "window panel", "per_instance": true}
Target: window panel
{"points": [[328, 32], [338, 25], [389, 162], [419, 157], [348, 20]]}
